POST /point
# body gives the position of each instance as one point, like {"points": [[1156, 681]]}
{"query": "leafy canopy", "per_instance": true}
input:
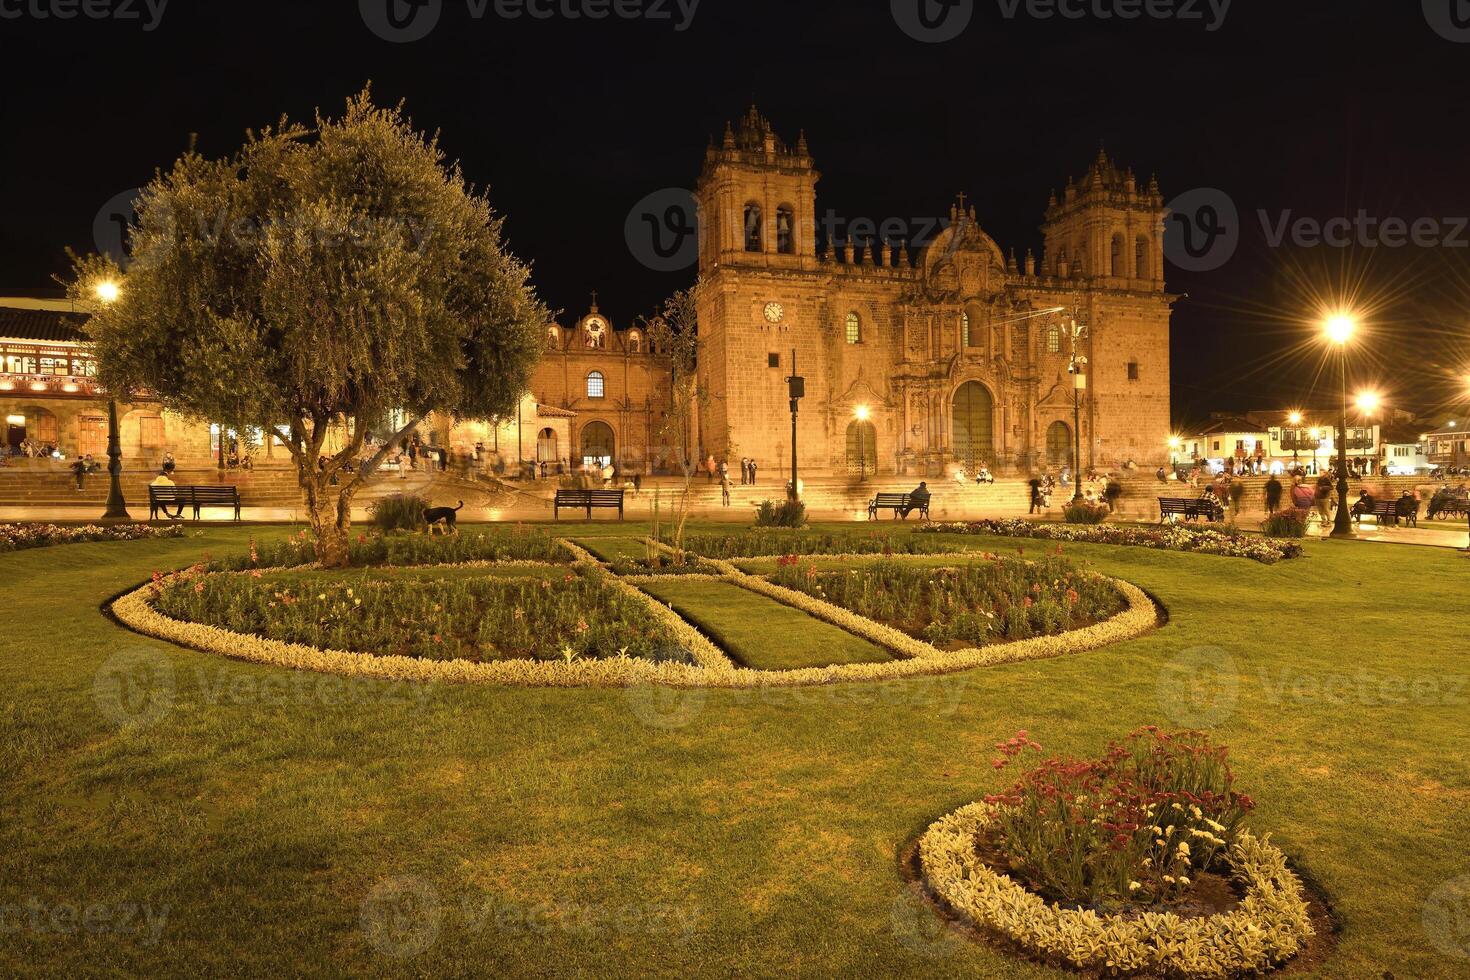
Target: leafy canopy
{"points": [[337, 269]]}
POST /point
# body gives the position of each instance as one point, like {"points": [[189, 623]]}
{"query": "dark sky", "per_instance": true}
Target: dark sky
{"points": [[1318, 108]]}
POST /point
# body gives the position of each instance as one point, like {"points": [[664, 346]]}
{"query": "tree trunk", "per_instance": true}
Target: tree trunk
{"points": [[331, 521]]}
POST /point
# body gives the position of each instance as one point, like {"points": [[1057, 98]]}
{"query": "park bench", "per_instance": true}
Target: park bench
{"points": [[587, 500], [222, 495], [1190, 508], [898, 503], [1453, 506], [1382, 511]]}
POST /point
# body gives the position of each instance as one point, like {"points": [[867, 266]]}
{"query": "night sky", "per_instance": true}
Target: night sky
{"points": [[1319, 108]]}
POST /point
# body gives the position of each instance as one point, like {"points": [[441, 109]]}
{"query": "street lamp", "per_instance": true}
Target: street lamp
{"points": [[1316, 445], [1077, 368], [1340, 328], [1295, 419], [1174, 445], [117, 508], [796, 388], [861, 413]]}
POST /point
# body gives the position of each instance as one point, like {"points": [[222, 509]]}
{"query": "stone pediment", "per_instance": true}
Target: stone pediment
{"points": [[963, 263], [1060, 396], [861, 392]]}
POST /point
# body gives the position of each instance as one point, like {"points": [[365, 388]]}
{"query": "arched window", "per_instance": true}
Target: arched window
{"points": [[1118, 244], [1062, 263], [854, 329], [753, 230], [553, 336], [786, 230], [596, 387], [1141, 250], [1054, 340], [965, 329], [1058, 444], [635, 342]]}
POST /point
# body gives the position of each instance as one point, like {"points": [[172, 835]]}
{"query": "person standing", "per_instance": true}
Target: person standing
{"points": [[752, 471], [1273, 495], [725, 489], [1036, 498]]}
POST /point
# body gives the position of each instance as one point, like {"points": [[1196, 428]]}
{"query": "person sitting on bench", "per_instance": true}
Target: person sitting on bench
{"points": [[162, 480], [1363, 506], [918, 500]]}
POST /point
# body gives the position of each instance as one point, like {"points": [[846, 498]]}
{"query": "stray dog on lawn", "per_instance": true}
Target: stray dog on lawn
{"points": [[443, 517]]}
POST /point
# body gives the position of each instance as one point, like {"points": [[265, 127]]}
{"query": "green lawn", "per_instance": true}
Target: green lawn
{"points": [[761, 633], [263, 818]]}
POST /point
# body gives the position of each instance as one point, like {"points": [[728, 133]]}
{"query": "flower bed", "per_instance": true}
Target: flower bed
{"points": [[562, 616], [993, 601], [1101, 860], [770, 543], [18, 537], [1169, 537], [367, 549]]}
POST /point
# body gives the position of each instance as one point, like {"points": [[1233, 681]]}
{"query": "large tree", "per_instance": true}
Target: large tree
{"points": [[323, 277]]}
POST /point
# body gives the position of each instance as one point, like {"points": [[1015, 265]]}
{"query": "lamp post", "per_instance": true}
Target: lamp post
{"points": [[1077, 368], [796, 387], [1316, 445], [1295, 419], [1174, 443], [861, 413], [1367, 403], [1340, 329], [117, 508]]}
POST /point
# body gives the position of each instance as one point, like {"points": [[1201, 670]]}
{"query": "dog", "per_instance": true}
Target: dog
{"points": [[446, 518]]}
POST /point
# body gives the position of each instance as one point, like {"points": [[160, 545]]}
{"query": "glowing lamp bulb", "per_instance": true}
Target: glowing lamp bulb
{"points": [[107, 291], [1367, 401], [862, 413], [1340, 328]]}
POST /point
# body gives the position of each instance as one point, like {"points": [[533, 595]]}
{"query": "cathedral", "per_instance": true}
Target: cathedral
{"points": [[918, 360]]}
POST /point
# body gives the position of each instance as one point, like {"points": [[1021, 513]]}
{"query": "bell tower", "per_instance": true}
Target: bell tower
{"points": [[758, 201], [1107, 230]]}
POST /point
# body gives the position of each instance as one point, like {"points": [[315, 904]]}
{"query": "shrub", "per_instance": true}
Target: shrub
{"points": [[788, 513], [399, 512], [1132, 828], [771, 542], [1082, 512], [1287, 524]]}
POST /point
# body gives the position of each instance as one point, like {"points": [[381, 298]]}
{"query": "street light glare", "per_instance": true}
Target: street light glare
{"points": [[861, 412], [1368, 401], [1295, 418], [107, 291], [1341, 327]]}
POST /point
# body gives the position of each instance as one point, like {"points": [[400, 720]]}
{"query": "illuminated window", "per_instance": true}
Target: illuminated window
{"points": [[1054, 340], [595, 385], [635, 342], [854, 329], [553, 336]]}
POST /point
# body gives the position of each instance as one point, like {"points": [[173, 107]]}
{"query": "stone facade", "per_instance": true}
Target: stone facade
{"points": [[954, 354], [617, 390]]}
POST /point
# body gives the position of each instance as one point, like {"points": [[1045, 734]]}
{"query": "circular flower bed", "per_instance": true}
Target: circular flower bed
{"points": [[1103, 865]]}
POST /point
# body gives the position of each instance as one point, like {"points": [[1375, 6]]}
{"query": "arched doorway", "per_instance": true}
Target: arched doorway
{"points": [[862, 448], [597, 444], [546, 447], [34, 425], [974, 425], [1058, 445]]}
